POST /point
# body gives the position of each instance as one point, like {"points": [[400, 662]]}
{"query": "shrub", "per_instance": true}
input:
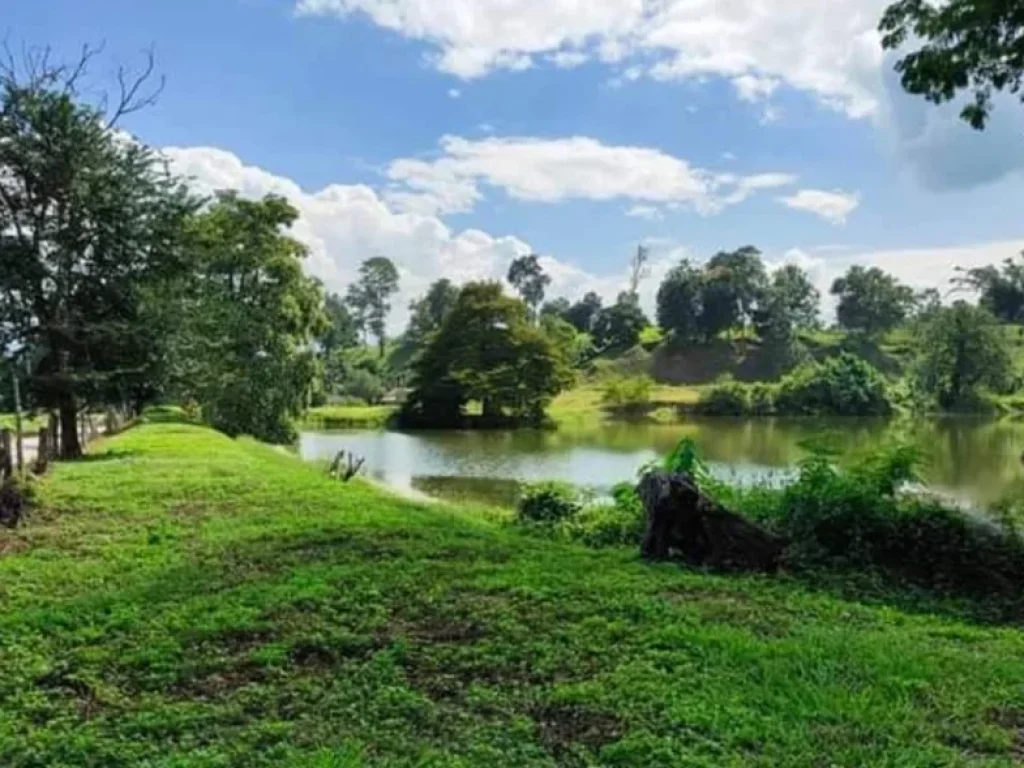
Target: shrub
{"points": [[762, 399], [844, 385], [548, 503], [651, 337], [16, 498], [619, 521], [725, 398], [628, 391], [363, 385]]}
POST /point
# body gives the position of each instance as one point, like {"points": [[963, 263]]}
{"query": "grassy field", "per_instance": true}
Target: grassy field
{"points": [[584, 404], [188, 600], [349, 416], [28, 423]]}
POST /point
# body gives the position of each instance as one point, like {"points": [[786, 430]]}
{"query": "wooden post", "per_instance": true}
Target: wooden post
{"points": [[6, 454], [54, 440], [43, 451], [19, 433]]}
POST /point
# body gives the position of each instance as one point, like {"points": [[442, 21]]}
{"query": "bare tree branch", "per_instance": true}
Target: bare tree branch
{"points": [[131, 99]]}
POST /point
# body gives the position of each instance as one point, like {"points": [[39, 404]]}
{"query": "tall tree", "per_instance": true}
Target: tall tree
{"points": [[371, 296], [975, 45], [90, 223], [559, 308], [251, 319], [795, 294], [583, 314], [734, 283], [619, 326], [427, 314], [871, 301], [639, 269], [962, 349], [681, 301], [527, 276], [340, 331], [1000, 289]]}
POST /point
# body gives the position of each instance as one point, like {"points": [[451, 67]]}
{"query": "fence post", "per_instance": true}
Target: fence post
{"points": [[54, 436], [43, 451], [19, 430]]}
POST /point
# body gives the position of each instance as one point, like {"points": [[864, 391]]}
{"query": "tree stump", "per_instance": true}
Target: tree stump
{"points": [[683, 522]]}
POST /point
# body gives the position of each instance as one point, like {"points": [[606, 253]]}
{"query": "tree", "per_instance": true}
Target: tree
{"points": [[559, 307], [91, 226], [341, 331], [486, 350], [620, 325], [247, 333], [527, 276], [427, 314], [680, 302], [583, 314], [734, 283], [795, 295], [961, 348], [370, 297], [1000, 289], [871, 301], [971, 45], [639, 269]]}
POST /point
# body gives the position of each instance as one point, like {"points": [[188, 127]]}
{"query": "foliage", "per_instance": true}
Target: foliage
{"points": [[583, 315], [527, 276], [962, 44], [559, 308], [627, 391], [427, 314], [761, 399], [487, 351], [871, 301], [90, 231], [734, 285], [619, 521], [620, 325], [725, 398], [340, 331], [244, 342], [364, 385], [370, 296], [1000, 289], [651, 337], [962, 348], [680, 302], [844, 386], [795, 296], [548, 503], [574, 347]]}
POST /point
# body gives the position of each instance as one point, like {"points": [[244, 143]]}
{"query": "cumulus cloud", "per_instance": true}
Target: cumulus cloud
{"points": [[828, 49], [649, 212], [454, 93], [832, 206], [554, 170]]}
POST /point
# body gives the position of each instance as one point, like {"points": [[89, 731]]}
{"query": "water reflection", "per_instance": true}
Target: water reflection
{"points": [[974, 460]]}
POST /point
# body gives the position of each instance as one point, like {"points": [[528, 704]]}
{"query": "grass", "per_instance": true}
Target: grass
{"points": [[350, 416], [29, 424], [183, 599], [584, 404]]}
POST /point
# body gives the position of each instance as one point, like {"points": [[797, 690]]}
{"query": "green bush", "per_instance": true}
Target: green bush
{"points": [[363, 385], [725, 398], [628, 391], [618, 522], [651, 337], [844, 385], [762, 399], [548, 503]]}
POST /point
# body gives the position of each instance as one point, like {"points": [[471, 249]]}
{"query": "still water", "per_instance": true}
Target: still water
{"points": [[975, 461]]}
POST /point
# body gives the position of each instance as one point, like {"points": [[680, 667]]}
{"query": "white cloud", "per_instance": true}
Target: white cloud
{"points": [[649, 212], [828, 49], [832, 206], [454, 93], [554, 170], [755, 88], [567, 59]]}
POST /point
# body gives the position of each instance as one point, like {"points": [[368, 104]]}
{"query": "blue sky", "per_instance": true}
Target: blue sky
{"points": [[454, 136]]}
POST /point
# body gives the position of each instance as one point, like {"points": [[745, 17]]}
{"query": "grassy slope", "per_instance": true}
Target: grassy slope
{"points": [[583, 404], [349, 416], [190, 600]]}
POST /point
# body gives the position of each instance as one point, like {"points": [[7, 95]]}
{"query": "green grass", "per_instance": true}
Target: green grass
{"points": [[350, 416], [188, 600], [584, 404], [29, 424]]}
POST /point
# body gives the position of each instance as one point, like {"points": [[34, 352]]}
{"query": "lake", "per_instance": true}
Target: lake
{"points": [[975, 461]]}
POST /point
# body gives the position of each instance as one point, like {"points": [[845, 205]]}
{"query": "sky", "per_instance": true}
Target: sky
{"points": [[454, 136]]}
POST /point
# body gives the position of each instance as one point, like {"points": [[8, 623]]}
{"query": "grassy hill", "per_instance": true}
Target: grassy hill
{"points": [[183, 599]]}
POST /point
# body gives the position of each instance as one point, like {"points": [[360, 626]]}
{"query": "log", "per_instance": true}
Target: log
{"points": [[684, 523]]}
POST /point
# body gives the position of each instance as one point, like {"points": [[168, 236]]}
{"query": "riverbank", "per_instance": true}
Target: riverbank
{"points": [[187, 599]]}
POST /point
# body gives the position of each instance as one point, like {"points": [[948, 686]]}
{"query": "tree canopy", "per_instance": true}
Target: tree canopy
{"points": [[962, 45], [370, 297], [527, 276], [871, 301], [1000, 289]]}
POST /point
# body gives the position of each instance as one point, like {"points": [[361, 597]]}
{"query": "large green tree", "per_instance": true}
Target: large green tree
{"points": [[340, 331], [871, 301], [680, 302], [961, 349], [1000, 289], [620, 325], [487, 350], [584, 313], [734, 283], [370, 297], [250, 318], [961, 45], [527, 276], [427, 313], [792, 293], [91, 226]]}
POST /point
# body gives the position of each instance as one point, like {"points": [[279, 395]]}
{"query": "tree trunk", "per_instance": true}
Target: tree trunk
{"points": [[683, 522], [70, 446]]}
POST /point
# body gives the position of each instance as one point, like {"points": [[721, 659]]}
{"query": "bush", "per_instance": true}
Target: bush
{"points": [[548, 503], [762, 399], [844, 386], [363, 385], [651, 337], [16, 499], [628, 391], [725, 398], [619, 522]]}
